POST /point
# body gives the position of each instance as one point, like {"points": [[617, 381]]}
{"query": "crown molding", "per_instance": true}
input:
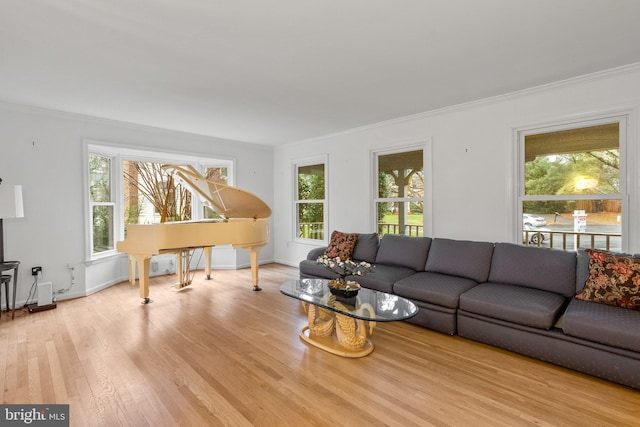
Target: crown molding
{"points": [[573, 81], [67, 115]]}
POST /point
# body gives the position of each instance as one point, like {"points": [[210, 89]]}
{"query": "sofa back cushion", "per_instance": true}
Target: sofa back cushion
{"points": [[582, 269], [366, 247], [403, 251], [546, 269], [461, 258]]}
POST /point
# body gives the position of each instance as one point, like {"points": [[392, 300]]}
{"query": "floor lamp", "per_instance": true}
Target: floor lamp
{"points": [[10, 207]]}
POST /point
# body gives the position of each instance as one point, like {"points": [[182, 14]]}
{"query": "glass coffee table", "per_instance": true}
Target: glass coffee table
{"points": [[340, 325]]}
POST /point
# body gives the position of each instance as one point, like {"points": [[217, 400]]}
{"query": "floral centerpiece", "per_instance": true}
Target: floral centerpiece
{"points": [[344, 268]]}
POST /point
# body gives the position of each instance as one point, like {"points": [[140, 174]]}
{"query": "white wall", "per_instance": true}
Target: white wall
{"points": [[43, 151], [473, 151]]}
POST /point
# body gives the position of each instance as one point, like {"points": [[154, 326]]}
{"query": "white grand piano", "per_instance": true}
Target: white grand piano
{"points": [[244, 224]]}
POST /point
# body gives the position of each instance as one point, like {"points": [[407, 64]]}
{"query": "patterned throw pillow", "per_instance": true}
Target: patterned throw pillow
{"points": [[613, 280], [341, 245]]}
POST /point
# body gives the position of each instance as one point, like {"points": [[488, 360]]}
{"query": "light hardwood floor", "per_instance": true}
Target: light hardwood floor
{"points": [[217, 353]]}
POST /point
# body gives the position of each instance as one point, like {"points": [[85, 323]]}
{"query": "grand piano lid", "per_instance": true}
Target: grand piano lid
{"points": [[227, 201]]}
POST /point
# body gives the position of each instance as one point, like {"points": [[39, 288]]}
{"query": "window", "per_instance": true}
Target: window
{"points": [[151, 196], [572, 185], [101, 203], [310, 200], [400, 190], [128, 186], [219, 174]]}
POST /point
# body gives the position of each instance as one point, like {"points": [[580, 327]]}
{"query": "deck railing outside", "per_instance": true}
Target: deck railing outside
{"points": [[565, 240], [571, 240], [312, 230], [409, 229]]}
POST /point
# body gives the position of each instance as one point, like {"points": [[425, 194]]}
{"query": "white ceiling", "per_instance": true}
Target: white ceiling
{"points": [[276, 71]]}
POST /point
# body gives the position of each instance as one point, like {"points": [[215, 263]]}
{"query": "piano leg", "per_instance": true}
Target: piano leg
{"points": [[132, 270], [207, 262], [253, 255], [143, 274]]}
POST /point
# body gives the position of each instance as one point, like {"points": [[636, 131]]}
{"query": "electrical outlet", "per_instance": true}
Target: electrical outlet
{"points": [[36, 270]]}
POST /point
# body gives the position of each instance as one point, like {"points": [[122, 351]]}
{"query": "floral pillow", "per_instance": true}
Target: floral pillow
{"points": [[613, 280], [341, 245]]}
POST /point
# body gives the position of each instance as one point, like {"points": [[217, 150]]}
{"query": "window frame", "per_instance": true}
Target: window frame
{"points": [[295, 166], [623, 119], [427, 173], [118, 155], [199, 204], [111, 203]]}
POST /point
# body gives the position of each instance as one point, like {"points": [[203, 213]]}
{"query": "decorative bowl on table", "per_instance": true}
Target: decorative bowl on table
{"points": [[345, 289], [311, 286]]}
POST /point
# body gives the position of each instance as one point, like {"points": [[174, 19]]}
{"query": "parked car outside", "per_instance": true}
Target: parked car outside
{"points": [[535, 234], [529, 220]]}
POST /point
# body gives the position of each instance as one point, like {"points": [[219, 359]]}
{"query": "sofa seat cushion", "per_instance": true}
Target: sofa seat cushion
{"points": [[310, 268], [434, 288], [403, 251], [516, 304], [603, 324], [382, 277], [460, 258]]}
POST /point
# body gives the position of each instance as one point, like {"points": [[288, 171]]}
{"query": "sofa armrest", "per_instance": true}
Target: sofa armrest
{"points": [[315, 253]]}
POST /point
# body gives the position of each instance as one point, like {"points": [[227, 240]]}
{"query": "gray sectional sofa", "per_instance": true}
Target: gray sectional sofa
{"points": [[514, 297]]}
